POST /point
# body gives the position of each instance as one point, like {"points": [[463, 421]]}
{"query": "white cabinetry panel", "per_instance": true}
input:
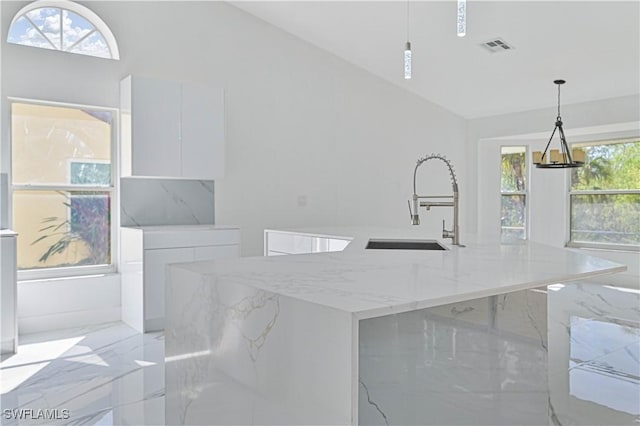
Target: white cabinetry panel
{"points": [[191, 238], [155, 265], [8, 295], [289, 243], [144, 256], [155, 128], [336, 244], [202, 131], [279, 243], [216, 252], [171, 129]]}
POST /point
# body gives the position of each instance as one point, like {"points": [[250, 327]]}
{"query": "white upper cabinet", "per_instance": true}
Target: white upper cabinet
{"points": [[171, 129], [202, 131]]}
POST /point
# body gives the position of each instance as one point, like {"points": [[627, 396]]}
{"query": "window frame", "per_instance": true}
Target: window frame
{"points": [[112, 190], [570, 192], [83, 11], [524, 193]]}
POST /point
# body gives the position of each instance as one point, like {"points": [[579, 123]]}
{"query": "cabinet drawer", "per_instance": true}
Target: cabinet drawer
{"points": [[289, 243], [216, 252], [191, 238]]}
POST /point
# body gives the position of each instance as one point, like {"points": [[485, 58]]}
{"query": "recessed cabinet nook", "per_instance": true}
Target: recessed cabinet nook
{"points": [[171, 129]]}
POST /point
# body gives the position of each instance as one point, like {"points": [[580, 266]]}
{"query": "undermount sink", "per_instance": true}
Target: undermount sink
{"points": [[379, 244]]}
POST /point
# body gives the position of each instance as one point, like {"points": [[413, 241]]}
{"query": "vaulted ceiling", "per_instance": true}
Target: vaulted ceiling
{"points": [[595, 46]]}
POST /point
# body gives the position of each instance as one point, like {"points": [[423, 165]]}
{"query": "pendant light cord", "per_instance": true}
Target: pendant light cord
{"points": [[408, 20]]}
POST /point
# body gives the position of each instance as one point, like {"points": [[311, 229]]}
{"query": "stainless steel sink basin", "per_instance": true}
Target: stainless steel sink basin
{"points": [[380, 244]]}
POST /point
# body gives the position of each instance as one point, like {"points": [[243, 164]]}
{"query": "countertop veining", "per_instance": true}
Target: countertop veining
{"points": [[370, 283]]}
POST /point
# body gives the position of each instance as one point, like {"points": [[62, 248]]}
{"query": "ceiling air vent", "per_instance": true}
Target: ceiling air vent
{"points": [[497, 45]]}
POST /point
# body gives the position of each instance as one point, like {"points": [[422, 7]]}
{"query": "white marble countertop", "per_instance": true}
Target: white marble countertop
{"points": [[371, 283]]}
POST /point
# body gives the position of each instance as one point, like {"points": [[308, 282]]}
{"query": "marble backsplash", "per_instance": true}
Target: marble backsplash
{"points": [[151, 202]]}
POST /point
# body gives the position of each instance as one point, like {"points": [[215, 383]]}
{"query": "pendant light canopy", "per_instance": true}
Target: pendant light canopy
{"points": [[562, 158]]}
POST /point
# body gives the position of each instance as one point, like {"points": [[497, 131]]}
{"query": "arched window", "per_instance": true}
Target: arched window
{"points": [[65, 26]]}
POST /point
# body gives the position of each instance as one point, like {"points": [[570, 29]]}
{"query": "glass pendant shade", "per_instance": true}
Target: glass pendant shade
{"points": [[407, 61], [461, 21]]}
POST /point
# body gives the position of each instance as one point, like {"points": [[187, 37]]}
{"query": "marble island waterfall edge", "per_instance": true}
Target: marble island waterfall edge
{"points": [[262, 358], [328, 338]]}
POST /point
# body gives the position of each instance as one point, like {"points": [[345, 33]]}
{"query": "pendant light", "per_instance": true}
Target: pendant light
{"points": [[563, 158], [461, 22], [407, 50]]}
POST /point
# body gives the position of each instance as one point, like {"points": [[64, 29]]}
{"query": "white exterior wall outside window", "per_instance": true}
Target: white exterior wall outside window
{"points": [[63, 188], [513, 193], [604, 196]]}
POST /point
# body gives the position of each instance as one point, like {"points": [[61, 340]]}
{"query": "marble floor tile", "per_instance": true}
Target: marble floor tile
{"points": [[102, 375], [112, 375]]}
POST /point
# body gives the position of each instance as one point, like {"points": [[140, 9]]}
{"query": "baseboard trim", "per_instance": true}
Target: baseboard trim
{"points": [[153, 324], [58, 321], [8, 346]]}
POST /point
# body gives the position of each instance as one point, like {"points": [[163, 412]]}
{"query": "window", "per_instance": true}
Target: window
{"points": [[605, 196], [513, 190], [62, 185], [64, 26]]}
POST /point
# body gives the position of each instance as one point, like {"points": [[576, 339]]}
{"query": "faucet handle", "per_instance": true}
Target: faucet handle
{"points": [[446, 233]]}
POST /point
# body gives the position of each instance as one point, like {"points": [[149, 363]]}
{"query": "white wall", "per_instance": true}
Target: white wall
{"points": [[300, 122], [71, 302], [548, 199]]}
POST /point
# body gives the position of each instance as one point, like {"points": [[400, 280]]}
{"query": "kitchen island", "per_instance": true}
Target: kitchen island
{"points": [[366, 336]]}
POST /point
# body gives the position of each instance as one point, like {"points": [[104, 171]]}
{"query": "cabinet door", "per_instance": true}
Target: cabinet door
{"points": [[155, 127], [289, 243], [320, 245], [217, 252], [336, 244], [8, 296], [155, 263], [202, 132]]}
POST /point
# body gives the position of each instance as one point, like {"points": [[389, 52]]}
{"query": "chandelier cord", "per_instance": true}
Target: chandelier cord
{"points": [[558, 101]]}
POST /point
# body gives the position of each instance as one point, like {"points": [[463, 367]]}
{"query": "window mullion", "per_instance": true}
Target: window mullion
{"points": [[605, 192], [80, 40], [40, 31]]}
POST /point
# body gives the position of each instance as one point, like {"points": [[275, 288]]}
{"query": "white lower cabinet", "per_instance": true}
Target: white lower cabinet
{"points": [[336, 244], [278, 243], [145, 253], [8, 293], [155, 262], [216, 252]]}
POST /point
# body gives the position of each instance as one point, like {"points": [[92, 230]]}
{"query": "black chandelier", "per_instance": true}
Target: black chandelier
{"points": [[562, 158]]}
